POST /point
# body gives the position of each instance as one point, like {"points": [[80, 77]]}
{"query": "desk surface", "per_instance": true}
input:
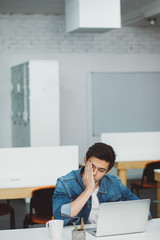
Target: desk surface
{"points": [[122, 167], [152, 233], [135, 164], [22, 188]]}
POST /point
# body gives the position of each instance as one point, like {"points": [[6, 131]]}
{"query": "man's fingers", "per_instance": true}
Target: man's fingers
{"points": [[88, 170]]}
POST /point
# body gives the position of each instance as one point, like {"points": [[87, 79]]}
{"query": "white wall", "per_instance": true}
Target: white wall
{"points": [[26, 37]]}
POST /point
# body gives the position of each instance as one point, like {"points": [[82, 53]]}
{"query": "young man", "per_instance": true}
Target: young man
{"points": [[79, 193]]}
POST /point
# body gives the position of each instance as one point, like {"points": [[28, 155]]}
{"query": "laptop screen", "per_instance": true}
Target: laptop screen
{"points": [[122, 217]]}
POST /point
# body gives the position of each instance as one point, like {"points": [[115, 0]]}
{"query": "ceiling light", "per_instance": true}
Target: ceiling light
{"points": [[152, 21]]}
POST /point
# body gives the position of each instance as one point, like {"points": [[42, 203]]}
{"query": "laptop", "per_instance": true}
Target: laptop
{"points": [[121, 218]]}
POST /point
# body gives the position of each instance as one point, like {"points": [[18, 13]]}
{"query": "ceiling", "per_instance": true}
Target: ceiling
{"points": [[55, 7], [134, 12], [140, 12]]}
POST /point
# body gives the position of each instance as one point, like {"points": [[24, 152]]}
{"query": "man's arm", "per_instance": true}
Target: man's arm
{"points": [[62, 207], [60, 198], [127, 194], [89, 184]]}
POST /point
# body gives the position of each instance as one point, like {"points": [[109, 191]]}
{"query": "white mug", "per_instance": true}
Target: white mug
{"points": [[55, 228]]}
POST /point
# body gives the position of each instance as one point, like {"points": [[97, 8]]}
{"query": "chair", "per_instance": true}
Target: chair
{"points": [[41, 203], [147, 181], [5, 208]]}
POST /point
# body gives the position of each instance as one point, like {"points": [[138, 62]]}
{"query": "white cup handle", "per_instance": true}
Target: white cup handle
{"points": [[47, 225]]}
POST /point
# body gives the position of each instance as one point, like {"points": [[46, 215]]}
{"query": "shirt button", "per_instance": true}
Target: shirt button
{"points": [[88, 206]]}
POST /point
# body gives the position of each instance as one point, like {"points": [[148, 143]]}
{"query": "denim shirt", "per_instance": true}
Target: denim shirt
{"points": [[70, 186]]}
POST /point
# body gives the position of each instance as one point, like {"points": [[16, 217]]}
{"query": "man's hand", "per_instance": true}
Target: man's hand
{"points": [[88, 178]]}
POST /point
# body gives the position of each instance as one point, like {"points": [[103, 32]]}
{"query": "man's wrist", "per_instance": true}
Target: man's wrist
{"points": [[89, 191]]}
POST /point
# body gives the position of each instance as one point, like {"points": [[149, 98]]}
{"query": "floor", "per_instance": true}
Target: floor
{"points": [[21, 207]]}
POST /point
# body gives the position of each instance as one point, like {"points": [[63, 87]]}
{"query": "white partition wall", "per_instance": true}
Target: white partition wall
{"points": [[134, 146], [36, 166]]}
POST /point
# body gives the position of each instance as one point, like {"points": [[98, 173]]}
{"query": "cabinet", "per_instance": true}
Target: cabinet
{"points": [[35, 103]]}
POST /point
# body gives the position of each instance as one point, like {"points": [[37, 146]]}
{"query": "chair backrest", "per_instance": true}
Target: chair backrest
{"points": [[41, 201], [148, 173]]}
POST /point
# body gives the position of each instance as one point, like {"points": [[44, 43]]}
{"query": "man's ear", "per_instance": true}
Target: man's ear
{"points": [[84, 160]]}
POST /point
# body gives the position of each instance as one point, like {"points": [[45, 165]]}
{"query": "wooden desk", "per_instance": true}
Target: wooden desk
{"points": [[122, 167], [15, 193], [23, 188], [157, 178], [133, 149], [152, 233]]}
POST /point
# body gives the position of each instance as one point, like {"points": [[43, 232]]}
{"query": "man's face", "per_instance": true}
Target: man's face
{"points": [[99, 167]]}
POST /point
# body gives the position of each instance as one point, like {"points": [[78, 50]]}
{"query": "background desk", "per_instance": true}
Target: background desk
{"points": [[157, 178], [122, 167], [152, 233], [14, 193], [133, 149], [22, 188]]}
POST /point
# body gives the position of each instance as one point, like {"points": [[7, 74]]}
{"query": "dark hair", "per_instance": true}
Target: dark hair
{"points": [[103, 152]]}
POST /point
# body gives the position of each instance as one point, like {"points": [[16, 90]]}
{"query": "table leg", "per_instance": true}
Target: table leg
{"points": [[158, 198], [122, 173]]}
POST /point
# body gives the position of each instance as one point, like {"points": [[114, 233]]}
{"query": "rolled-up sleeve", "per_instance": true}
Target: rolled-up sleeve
{"points": [[66, 209], [61, 204]]}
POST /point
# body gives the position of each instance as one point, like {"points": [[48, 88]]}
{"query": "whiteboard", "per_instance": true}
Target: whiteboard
{"points": [[37, 162], [125, 102]]}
